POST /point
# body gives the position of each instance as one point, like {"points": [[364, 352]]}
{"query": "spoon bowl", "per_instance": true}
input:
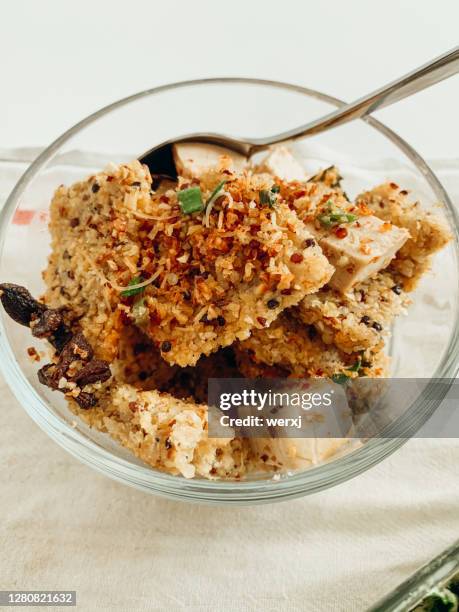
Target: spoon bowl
{"points": [[161, 162]]}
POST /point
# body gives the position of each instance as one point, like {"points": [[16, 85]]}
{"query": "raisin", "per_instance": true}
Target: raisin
{"points": [[221, 321], [60, 338], [94, 371], [75, 222], [76, 348], [47, 376], [19, 304], [309, 242], [47, 324], [271, 304], [95, 187], [312, 332], [85, 400]]}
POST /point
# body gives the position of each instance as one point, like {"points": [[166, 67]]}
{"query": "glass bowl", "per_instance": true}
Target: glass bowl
{"points": [[366, 151]]}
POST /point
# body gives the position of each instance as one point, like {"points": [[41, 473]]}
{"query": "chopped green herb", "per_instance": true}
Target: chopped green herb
{"points": [[356, 367], [275, 188], [214, 193], [268, 197], [190, 200], [134, 281], [340, 379], [336, 218]]}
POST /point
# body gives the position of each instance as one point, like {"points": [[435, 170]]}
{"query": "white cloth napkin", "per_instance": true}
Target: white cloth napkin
{"points": [[63, 526]]}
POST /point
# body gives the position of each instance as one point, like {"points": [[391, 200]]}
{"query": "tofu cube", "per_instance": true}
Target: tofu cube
{"points": [[281, 163], [193, 159], [368, 246]]}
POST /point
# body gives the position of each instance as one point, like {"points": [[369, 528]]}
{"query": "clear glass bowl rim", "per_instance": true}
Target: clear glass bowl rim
{"points": [[201, 491]]}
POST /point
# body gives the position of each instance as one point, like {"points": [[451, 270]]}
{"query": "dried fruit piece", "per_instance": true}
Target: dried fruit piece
{"points": [[49, 323], [19, 304], [94, 371], [46, 324]]}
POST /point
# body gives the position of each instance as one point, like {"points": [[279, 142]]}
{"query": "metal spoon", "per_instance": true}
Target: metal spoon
{"points": [[160, 159]]}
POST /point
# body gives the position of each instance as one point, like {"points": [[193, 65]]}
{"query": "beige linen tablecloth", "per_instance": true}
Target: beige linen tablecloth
{"points": [[63, 526]]}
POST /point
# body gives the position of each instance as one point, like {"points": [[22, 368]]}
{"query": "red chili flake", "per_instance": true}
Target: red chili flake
{"points": [[286, 292], [299, 194], [296, 258], [262, 321], [164, 199], [341, 232], [168, 444], [110, 178], [33, 353]]}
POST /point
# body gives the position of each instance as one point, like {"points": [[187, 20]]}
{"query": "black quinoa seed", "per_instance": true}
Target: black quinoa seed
{"points": [[95, 187], [271, 304], [397, 289], [377, 326], [221, 321], [166, 346], [365, 320], [312, 332]]}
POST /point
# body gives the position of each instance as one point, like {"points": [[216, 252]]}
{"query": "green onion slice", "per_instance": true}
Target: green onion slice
{"points": [[336, 218], [190, 200], [340, 379], [134, 281], [215, 192], [356, 367]]}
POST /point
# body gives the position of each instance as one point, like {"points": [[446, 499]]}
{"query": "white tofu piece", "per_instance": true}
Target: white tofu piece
{"points": [[369, 246], [193, 159], [283, 164]]}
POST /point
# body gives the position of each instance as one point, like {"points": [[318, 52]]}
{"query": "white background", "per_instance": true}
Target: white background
{"points": [[61, 60]]}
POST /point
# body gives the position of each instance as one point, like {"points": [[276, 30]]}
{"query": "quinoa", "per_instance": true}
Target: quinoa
{"points": [[359, 320], [239, 282], [208, 276]]}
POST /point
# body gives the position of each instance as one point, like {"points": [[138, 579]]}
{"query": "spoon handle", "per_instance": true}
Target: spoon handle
{"points": [[426, 75]]}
